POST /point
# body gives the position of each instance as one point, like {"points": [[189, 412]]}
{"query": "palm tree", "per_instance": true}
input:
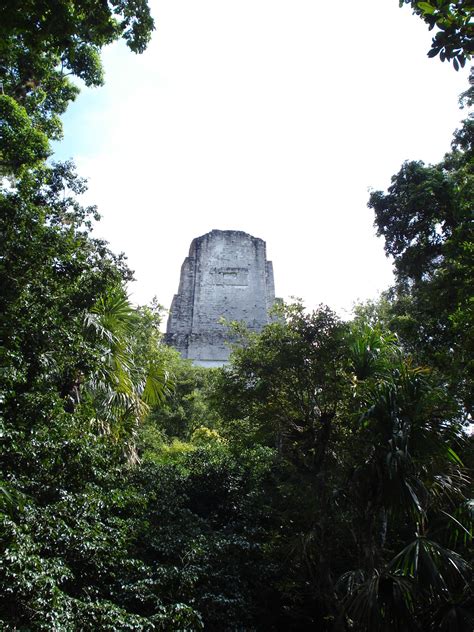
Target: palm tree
{"points": [[129, 378], [410, 479]]}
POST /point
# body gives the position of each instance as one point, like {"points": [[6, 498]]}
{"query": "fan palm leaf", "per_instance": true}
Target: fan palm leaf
{"points": [[384, 602], [126, 382], [436, 568]]}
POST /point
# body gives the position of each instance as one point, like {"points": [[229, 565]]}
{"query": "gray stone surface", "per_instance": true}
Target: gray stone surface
{"points": [[226, 275]]}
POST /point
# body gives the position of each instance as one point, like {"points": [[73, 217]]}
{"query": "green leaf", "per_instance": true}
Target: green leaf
{"points": [[452, 456], [456, 521], [426, 7]]}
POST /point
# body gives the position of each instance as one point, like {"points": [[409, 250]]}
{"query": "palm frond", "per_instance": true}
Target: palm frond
{"points": [[369, 351], [115, 313], [435, 568], [130, 376], [383, 602]]}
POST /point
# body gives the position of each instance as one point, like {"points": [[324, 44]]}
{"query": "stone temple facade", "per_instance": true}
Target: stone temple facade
{"points": [[225, 276]]}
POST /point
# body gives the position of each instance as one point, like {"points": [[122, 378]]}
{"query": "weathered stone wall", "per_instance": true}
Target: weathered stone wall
{"points": [[226, 275]]}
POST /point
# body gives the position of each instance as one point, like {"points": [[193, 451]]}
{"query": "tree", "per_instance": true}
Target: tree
{"points": [[132, 376], [22, 144], [51, 273], [287, 388], [367, 446], [44, 44], [408, 481], [425, 219], [288, 380], [187, 408], [454, 40]]}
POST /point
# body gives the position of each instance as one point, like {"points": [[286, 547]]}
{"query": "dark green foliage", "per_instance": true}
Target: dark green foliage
{"points": [[426, 221], [318, 482], [288, 381], [454, 40], [156, 547], [51, 273], [318, 530], [354, 487], [41, 45]]}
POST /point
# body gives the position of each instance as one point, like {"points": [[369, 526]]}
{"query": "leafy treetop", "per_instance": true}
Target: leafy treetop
{"points": [[455, 39], [40, 47]]}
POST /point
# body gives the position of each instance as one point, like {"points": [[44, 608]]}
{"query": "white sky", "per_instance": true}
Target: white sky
{"points": [[268, 116]]}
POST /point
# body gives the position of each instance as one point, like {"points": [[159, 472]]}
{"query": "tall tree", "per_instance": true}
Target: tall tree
{"points": [[287, 388], [367, 448], [51, 273], [425, 218], [408, 483]]}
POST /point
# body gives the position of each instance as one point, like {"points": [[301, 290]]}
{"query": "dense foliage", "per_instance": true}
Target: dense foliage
{"points": [[320, 481], [426, 221]]}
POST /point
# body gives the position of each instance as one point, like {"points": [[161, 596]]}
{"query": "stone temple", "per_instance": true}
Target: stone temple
{"points": [[225, 276]]}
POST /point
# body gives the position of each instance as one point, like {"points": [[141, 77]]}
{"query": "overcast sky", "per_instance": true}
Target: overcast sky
{"points": [[273, 117]]}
